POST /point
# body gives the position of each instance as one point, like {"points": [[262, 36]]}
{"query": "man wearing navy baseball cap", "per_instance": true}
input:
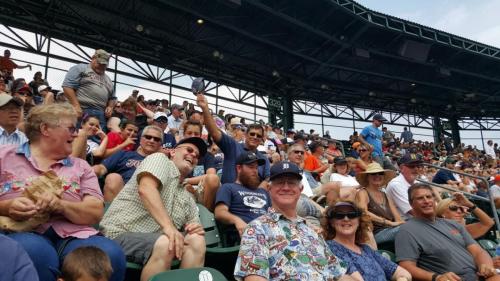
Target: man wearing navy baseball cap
{"points": [[267, 241], [241, 202]]}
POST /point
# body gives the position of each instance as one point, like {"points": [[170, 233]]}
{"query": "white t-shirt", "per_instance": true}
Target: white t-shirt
{"points": [[306, 187], [495, 190], [347, 180]]}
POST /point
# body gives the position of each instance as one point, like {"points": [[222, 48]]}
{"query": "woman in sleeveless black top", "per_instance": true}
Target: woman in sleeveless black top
{"points": [[380, 208]]}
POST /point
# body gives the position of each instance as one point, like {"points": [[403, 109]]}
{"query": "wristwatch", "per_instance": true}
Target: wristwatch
{"points": [[434, 276], [472, 208]]}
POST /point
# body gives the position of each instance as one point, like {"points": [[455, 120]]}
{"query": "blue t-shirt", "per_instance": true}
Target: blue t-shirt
{"points": [[204, 163], [15, 264], [123, 163], [373, 136], [442, 177], [232, 150], [246, 203], [169, 140], [370, 264]]}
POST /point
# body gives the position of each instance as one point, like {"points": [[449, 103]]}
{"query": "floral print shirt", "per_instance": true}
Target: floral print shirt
{"points": [[277, 248]]}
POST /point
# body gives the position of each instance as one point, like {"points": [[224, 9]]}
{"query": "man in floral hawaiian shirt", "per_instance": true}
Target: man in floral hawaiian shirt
{"points": [[279, 245]]}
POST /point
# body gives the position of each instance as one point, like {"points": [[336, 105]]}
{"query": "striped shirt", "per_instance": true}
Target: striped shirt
{"points": [[17, 137]]}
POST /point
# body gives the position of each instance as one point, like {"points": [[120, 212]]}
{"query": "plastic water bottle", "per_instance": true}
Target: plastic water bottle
{"points": [[497, 251]]}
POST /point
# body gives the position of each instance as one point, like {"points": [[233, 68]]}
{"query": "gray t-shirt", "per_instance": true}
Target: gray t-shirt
{"points": [[92, 90], [439, 246]]}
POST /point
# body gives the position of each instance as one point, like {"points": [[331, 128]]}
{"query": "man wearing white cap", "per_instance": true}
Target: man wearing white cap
{"points": [[89, 89], [10, 116], [47, 95]]}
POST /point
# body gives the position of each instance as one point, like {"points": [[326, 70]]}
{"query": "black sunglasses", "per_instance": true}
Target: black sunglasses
{"points": [[341, 216], [299, 152], [255, 135], [156, 139], [377, 174], [455, 208]]}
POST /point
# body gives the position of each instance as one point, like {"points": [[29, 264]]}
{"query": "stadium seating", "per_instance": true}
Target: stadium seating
{"points": [[217, 256], [488, 245], [388, 255], [190, 274]]}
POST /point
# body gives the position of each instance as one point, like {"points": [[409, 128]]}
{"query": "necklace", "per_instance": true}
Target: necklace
{"points": [[379, 198]]}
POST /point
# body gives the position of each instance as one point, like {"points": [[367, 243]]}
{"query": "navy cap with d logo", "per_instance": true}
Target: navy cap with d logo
{"points": [[285, 168]]}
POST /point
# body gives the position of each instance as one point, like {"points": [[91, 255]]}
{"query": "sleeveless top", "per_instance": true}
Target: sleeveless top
{"points": [[380, 210]]}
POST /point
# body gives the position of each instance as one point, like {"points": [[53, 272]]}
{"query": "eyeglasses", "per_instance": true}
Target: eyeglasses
{"points": [[71, 129], [255, 135], [156, 139], [341, 216], [362, 150], [455, 208], [282, 182], [190, 150], [301, 152], [377, 174]]}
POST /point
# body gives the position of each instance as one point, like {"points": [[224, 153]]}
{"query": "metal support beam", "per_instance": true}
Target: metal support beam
{"points": [[455, 132], [287, 112]]}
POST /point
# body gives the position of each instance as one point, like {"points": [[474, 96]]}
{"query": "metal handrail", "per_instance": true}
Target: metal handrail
{"points": [[490, 194]]}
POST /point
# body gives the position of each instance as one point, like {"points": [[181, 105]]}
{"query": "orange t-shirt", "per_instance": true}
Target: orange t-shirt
{"points": [[7, 64], [311, 163]]}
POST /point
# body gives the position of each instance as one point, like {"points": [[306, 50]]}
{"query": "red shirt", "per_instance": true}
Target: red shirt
{"points": [[115, 139]]}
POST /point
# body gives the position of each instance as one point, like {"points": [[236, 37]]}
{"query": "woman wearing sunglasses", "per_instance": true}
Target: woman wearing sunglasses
{"points": [[346, 229], [380, 208], [365, 158], [457, 207]]}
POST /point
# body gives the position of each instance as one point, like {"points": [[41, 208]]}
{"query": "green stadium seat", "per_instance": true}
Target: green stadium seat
{"points": [[388, 255], [190, 274], [217, 256], [488, 245]]}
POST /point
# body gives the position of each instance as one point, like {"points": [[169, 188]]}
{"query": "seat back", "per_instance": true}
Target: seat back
{"points": [[488, 246], [388, 255], [207, 219], [190, 274]]}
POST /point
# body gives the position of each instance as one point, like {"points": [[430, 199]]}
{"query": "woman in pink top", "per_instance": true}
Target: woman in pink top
{"points": [[51, 131]]}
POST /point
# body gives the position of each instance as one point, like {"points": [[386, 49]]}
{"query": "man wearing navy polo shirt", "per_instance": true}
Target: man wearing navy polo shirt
{"points": [[231, 149]]}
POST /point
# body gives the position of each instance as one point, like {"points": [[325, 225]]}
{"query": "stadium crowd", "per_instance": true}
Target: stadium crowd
{"points": [[89, 183]]}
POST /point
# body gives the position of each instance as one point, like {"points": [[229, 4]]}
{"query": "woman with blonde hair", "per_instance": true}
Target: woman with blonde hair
{"points": [[456, 207], [346, 229], [379, 207], [53, 198]]}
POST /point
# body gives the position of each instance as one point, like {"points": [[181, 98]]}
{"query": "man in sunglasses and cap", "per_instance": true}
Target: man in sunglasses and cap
{"points": [[254, 136], [280, 245], [154, 219]]}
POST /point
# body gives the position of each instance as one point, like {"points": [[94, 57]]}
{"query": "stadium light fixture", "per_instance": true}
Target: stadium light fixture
{"points": [[413, 100], [200, 21], [276, 73], [372, 93], [139, 28], [449, 106]]}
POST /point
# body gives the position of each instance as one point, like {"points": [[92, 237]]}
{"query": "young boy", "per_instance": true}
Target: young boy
{"points": [[86, 264]]}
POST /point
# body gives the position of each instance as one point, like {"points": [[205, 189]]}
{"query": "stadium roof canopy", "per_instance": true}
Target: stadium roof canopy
{"points": [[328, 51]]}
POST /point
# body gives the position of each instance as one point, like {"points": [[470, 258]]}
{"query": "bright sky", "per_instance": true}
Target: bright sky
{"points": [[475, 20]]}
